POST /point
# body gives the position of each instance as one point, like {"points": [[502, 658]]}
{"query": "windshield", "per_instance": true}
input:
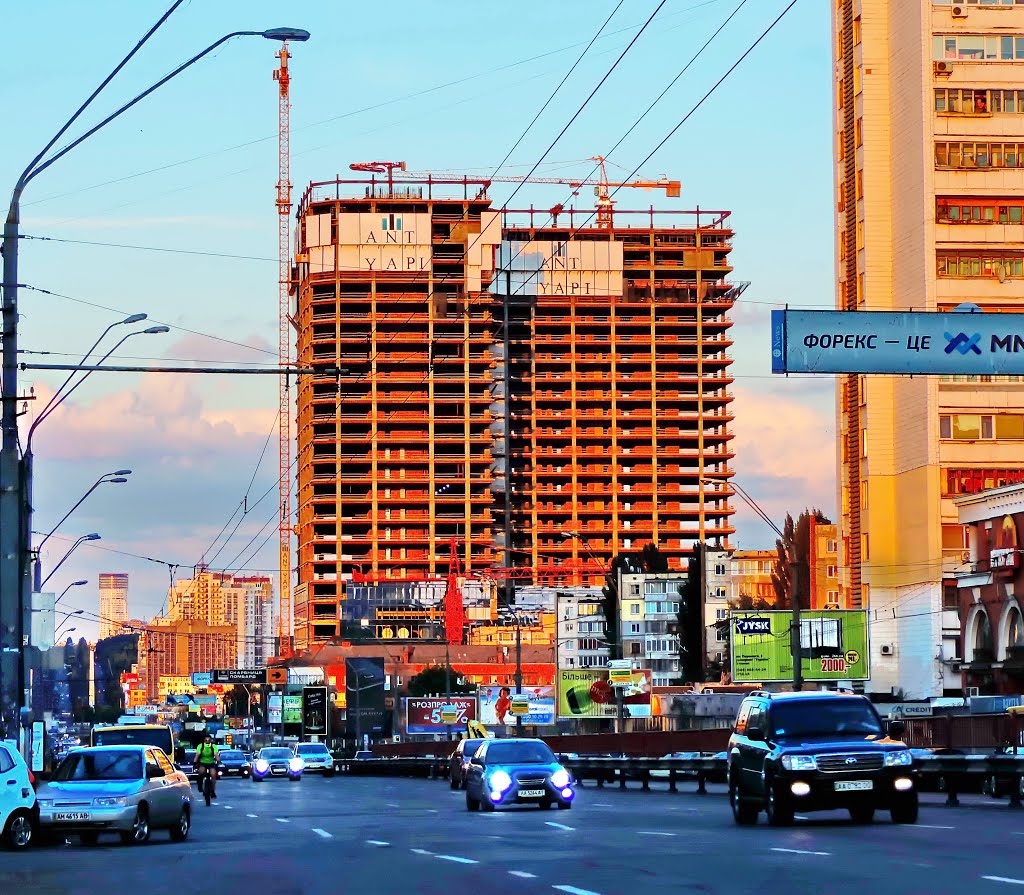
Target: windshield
{"points": [[272, 754], [233, 756], [134, 736], [312, 749], [519, 753], [114, 765], [824, 718]]}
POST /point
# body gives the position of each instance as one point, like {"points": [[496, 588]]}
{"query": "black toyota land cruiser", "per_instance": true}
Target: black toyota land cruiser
{"points": [[817, 751]]}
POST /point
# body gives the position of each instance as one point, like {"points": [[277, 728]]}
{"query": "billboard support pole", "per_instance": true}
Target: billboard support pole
{"points": [[794, 637], [447, 684]]}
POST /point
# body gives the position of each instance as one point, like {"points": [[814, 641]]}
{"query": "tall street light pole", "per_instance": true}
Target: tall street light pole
{"points": [[66, 589], [93, 536], [14, 532]]}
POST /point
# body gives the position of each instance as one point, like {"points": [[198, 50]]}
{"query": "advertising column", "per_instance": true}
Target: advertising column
{"points": [[364, 699]]}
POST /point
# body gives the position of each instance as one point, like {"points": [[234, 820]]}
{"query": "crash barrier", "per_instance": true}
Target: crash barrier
{"points": [[952, 774]]}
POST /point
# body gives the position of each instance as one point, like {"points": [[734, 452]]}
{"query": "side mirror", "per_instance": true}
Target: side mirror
{"points": [[756, 734], [479, 762], [896, 730], [154, 772]]}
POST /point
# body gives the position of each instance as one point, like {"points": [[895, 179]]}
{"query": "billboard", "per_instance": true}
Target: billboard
{"points": [[833, 644], [274, 709], [908, 342], [315, 712], [239, 675], [364, 697], [423, 715], [291, 710], [496, 705], [587, 693]]}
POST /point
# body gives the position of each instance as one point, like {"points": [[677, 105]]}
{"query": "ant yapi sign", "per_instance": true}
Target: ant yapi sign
{"points": [[960, 342]]}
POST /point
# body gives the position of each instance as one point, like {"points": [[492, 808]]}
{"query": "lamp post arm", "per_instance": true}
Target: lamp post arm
{"points": [[63, 560], [120, 111], [98, 482]]}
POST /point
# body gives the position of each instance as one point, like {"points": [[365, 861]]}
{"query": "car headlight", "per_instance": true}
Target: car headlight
{"points": [[560, 779], [799, 763], [262, 765], [110, 802], [500, 781], [44, 803], [901, 759], [296, 764]]}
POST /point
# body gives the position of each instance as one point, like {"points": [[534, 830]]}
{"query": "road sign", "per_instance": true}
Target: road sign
{"points": [[201, 679], [449, 714], [520, 704], [961, 342], [620, 665], [239, 675]]}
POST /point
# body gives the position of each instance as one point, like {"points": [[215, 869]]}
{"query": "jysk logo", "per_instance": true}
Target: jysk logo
{"points": [[963, 343], [748, 626]]}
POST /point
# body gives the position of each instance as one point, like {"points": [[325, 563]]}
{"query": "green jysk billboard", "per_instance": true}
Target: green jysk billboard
{"points": [[833, 645]]}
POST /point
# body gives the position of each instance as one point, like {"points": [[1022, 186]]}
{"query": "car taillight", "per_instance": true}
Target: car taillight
{"points": [[31, 777]]}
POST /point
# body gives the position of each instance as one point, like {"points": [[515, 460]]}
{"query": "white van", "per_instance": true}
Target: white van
{"points": [[18, 812]]}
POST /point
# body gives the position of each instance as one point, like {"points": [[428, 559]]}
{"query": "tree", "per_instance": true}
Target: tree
{"points": [[794, 555], [432, 681], [649, 560], [691, 619]]}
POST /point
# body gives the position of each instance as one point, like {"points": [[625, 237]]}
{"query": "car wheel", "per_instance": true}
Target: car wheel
{"points": [[294, 779], [862, 814], [453, 783], [565, 806], [905, 810], [546, 805], [139, 833], [471, 803], [179, 832], [486, 804], [743, 813], [19, 830], [89, 839], [779, 811]]}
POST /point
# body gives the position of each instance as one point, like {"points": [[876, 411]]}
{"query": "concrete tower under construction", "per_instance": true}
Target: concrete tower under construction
{"points": [[545, 388]]}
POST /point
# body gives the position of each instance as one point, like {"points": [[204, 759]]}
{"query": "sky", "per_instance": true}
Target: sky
{"points": [[169, 211]]}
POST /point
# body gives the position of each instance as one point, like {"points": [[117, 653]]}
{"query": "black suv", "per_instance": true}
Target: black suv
{"points": [[797, 752]]}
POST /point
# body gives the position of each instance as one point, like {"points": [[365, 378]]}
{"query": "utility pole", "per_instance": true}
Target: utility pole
{"points": [[619, 708], [519, 668], [794, 601]]}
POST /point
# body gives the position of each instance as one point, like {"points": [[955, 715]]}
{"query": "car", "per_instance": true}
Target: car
{"points": [[316, 757], [458, 765], [19, 814], [362, 755], [817, 751], [187, 765], [683, 755], [277, 761], [233, 761], [129, 790], [504, 772], [1000, 786], [134, 735]]}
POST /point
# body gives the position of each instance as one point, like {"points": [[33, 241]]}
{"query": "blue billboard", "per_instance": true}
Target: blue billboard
{"points": [[962, 342]]}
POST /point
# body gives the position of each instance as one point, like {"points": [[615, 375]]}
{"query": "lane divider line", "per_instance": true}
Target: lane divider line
{"points": [[252, 815], [522, 874], [932, 827], [456, 859], [572, 890], [801, 851], [421, 851], [379, 843], [1005, 879], [558, 826], [282, 820], [653, 833], [228, 807], [323, 834]]}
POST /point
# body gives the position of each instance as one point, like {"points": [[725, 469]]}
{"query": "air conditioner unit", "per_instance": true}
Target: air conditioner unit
{"points": [[888, 649], [971, 691], [959, 12], [943, 68]]}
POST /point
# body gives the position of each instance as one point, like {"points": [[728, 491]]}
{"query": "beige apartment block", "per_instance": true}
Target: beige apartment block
{"points": [[929, 162]]}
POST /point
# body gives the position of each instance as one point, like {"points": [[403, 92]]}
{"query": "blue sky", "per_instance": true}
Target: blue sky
{"points": [[192, 170]]}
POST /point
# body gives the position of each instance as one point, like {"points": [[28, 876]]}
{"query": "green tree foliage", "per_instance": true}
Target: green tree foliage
{"points": [[796, 543], [649, 560], [431, 682]]}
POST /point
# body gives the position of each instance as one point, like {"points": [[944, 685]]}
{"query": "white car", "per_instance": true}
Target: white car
{"points": [[316, 757], [19, 816]]}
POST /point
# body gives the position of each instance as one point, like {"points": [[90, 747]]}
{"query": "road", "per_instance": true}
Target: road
{"points": [[383, 835]]}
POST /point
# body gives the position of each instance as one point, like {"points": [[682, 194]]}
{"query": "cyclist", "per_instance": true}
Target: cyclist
{"points": [[206, 763]]}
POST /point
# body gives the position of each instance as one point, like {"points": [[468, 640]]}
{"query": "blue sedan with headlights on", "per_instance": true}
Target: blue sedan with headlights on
{"points": [[277, 761], [507, 772]]}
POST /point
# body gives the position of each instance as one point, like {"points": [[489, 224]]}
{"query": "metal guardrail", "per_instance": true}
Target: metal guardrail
{"points": [[950, 773]]}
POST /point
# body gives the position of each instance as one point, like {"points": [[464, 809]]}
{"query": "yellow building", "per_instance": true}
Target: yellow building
{"points": [[540, 634], [823, 562], [929, 214], [203, 598], [750, 575]]}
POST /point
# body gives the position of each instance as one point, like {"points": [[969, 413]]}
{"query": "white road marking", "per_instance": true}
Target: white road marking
{"points": [[282, 820], [380, 843], [323, 834], [801, 817], [431, 811], [456, 859], [602, 804], [551, 823], [933, 827], [252, 815], [421, 851], [394, 805], [653, 833], [800, 851], [1015, 833], [572, 890], [227, 807], [1005, 879], [522, 874]]}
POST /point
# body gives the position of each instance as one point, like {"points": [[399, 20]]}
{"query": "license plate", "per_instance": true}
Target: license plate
{"points": [[854, 785], [532, 793], [71, 815]]}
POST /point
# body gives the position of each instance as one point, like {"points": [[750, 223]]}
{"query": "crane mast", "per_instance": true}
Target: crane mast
{"points": [[284, 208]]}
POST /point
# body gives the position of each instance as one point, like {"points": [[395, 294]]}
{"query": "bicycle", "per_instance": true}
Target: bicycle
{"points": [[207, 785]]}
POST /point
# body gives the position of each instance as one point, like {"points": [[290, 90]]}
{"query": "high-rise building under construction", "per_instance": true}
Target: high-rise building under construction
{"points": [[545, 388]]}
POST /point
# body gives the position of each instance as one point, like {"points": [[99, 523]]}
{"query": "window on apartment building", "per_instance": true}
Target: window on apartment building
{"points": [[831, 572], [978, 211], [831, 546], [981, 427], [955, 537], [721, 634], [721, 614], [972, 264], [634, 608], [634, 590], [978, 48], [833, 597], [972, 154], [719, 568], [978, 2], [978, 101], [950, 597], [654, 587], [971, 481], [634, 628]]}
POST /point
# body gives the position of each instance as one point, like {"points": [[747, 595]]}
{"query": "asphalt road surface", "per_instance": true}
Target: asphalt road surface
{"points": [[383, 835]]}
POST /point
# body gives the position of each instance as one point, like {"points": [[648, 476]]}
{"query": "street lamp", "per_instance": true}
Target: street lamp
{"points": [[66, 589], [93, 536], [15, 479], [57, 633]]}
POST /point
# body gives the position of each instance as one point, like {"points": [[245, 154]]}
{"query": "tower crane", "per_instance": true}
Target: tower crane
{"points": [[284, 208]]}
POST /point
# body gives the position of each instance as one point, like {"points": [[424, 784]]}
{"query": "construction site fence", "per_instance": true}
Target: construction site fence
{"points": [[968, 733]]}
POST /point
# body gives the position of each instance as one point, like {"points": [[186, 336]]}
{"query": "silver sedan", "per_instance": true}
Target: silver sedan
{"points": [[129, 790]]}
